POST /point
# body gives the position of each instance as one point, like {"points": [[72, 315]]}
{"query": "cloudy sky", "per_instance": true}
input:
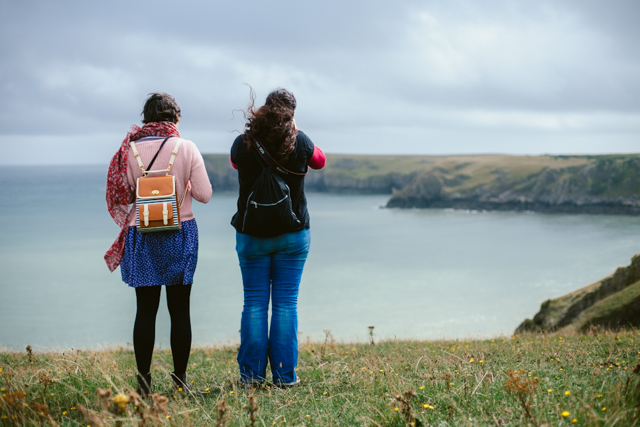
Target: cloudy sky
{"points": [[405, 77]]}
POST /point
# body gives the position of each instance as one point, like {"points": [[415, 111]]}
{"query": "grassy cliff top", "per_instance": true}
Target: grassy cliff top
{"points": [[363, 166], [479, 166], [588, 380]]}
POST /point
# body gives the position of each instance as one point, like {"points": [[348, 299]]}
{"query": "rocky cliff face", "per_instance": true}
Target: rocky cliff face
{"points": [[611, 302], [606, 184]]}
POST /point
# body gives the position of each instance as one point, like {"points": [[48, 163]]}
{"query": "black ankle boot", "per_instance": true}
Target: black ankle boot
{"points": [[180, 382], [144, 384]]}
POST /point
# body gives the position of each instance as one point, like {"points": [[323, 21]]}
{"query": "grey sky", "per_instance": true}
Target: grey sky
{"points": [[405, 77]]}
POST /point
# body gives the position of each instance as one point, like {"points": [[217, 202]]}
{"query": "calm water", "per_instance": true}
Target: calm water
{"points": [[419, 274]]}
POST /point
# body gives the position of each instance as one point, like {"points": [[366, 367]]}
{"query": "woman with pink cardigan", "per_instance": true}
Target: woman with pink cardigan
{"points": [[150, 260]]}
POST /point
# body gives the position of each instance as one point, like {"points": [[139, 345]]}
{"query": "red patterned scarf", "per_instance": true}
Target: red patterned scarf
{"points": [[119, 195]]}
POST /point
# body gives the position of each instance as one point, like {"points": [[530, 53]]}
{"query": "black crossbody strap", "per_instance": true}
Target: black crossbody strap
{"points": [[154, 157], [264, 155]]}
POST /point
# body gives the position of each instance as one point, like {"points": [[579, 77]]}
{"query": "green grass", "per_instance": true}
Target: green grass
{"points": [[481, 169], [443, 383]]}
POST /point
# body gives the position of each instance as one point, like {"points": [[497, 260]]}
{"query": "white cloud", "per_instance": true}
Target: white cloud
{"points": [[477, 75]]}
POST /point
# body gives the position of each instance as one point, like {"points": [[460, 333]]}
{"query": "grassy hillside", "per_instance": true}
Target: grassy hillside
{"points": [[611, 302], [586, 380], [620, 309]]}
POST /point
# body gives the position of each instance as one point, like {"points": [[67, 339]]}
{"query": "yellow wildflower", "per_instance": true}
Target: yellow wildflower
{"points": [[565, 414], [121, 398], [550, 390], [421, 388], [567, 393], [573, 421], [396, 409], [471, 361], [604, 408]]}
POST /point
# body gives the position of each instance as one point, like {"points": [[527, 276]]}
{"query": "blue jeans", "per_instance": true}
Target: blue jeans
{"points": [[271, 268]]}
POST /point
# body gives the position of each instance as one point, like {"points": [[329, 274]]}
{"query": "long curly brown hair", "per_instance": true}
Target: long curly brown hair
{"points": [[272, 124]]}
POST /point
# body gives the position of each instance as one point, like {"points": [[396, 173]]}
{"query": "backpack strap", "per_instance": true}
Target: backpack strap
{"points": [[264, 155], [174, 153], [137, 156], [158, 152]]}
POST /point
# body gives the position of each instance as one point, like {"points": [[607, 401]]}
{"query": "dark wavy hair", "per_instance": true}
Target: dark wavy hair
{"points": [[272, 124], [160, 107]]}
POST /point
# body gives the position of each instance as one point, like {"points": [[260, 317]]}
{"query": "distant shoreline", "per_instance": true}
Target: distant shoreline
{"points": [[589, 184]]}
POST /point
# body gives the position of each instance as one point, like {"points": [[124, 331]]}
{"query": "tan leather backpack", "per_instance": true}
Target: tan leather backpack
{"points": [[157, 206]]}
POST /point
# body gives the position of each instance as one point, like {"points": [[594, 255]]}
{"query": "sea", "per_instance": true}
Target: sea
{"points": [[410, 274]]}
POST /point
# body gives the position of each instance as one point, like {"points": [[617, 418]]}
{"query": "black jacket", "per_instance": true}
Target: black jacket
{"points": [[250, 168]]}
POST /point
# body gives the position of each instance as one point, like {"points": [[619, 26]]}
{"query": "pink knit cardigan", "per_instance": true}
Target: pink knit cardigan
{"points": [[188, 167]]}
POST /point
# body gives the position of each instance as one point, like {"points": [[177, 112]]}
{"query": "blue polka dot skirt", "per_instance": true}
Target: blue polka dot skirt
{"points": [[161, 258]]}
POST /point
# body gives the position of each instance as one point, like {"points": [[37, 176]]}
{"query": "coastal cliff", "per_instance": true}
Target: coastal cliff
{"points": [[605, 184], [562, 184], [612, 302]]}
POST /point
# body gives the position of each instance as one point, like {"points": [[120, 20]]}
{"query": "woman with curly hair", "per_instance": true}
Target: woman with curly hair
{"points": [[272, 258]]}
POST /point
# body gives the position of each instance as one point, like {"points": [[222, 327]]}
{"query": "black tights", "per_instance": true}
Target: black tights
{"points": [[144, 329]]}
